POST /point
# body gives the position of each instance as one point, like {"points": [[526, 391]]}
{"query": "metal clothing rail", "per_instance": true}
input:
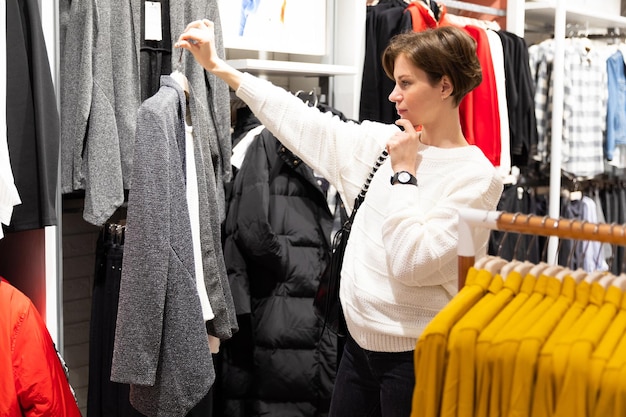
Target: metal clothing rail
{"points": [[528, 224], [470, 7]]}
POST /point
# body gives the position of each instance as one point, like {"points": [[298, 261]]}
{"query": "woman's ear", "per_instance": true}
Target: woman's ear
{"points": [[446, 87]]}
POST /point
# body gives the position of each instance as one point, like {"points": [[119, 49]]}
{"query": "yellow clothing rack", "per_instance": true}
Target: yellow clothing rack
{"points": [[522, 339]]}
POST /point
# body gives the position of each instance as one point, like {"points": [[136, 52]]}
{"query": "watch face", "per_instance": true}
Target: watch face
{"points": [[404, 177]]}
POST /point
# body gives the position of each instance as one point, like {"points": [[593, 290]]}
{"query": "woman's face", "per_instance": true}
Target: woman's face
{"points": [[415, 97]]}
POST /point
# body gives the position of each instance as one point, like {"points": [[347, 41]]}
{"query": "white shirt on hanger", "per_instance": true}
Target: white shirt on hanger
{"points": [[239, 151], [497, 56], [194, 216]]}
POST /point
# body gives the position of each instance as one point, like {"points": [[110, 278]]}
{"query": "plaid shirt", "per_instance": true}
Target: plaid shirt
{"points": [[584, 104]]}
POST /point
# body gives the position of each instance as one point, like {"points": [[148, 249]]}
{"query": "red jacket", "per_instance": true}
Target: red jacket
{"points": [[32, 378]]}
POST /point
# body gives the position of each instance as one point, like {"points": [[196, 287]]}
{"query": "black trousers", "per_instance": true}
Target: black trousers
{"points": [[106, 398]]}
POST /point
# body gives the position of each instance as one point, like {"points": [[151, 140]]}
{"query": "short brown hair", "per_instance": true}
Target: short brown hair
{"points": [[445, 50]]}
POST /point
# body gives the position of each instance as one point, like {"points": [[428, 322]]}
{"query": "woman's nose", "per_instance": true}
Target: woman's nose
{"points": [[394, 96]]}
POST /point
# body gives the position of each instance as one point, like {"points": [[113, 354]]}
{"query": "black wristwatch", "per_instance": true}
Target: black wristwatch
{"points": [[403, 177]]}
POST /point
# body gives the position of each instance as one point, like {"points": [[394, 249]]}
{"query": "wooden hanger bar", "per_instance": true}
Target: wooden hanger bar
{"points": [[563, 228], [528, 224]]}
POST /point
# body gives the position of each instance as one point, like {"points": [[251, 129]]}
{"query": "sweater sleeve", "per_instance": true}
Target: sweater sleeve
{"points": [[421, 237], [342, 152]]}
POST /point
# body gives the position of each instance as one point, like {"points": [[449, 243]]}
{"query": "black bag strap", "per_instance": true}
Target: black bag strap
{"points": [[340, 240], [359, 198]]}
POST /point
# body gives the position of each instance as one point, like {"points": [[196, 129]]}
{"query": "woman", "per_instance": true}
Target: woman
{"points": [[400, 264]]}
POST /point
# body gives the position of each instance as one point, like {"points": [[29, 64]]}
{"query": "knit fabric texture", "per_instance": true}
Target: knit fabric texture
{"points": [[400, 265]]}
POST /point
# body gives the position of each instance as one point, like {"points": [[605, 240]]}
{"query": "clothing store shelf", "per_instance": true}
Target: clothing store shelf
{"points": [[543, 12], [290, 68]]}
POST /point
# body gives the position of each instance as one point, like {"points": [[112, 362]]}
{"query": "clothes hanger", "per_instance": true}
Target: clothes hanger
{"points": [[553, 270], [620, 282], [563, 273], [494, 266], [541, 266], [179, 77], [509, 267], [309, 98], [524, 268], [521, 267], [182, 80], [606, 280], [577, 275], [538, 269], [481, 262], [601, 277], [594, 276]]}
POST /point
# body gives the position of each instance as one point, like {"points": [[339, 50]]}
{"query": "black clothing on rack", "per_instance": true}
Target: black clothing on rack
{"points": [[32, 118], [155, 56], [106, 398], [276, 243], [383, 21], [520, 99]]}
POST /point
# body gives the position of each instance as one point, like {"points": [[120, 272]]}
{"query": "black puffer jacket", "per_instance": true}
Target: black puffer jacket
{"points": [[276, 246]]}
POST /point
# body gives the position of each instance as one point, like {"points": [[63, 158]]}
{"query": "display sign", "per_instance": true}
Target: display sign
{"points": [[289, 26]]}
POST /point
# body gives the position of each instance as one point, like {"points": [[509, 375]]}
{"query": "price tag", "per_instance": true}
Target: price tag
{"points": [[153, 21]]}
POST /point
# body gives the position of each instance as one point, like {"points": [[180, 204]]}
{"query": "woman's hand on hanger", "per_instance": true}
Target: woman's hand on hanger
{"points": [[199, 39]]}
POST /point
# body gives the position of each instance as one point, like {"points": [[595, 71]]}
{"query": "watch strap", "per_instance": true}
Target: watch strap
{"points": [[403, 177]]}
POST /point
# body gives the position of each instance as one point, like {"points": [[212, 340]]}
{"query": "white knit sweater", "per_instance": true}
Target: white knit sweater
{"points": [[400, 266]]}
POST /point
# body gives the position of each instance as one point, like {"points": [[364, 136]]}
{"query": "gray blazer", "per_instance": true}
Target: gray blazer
{"points": [[161, 344], [101, 94]]}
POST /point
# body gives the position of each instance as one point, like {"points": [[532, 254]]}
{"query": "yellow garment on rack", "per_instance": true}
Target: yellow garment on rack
{"points": [[620, 400], [430, 349], [505, 344], [513, 283], [607, 404], [529, 347], [458, 391], [559, 344], [602, 354], [543, 392], [546, 292], [484, 342], [572, 400], [562, 348], [449, 395], [468, 340]]}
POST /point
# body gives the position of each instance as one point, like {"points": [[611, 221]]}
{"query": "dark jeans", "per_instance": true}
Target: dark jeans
{"points": [[370, 384]]}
